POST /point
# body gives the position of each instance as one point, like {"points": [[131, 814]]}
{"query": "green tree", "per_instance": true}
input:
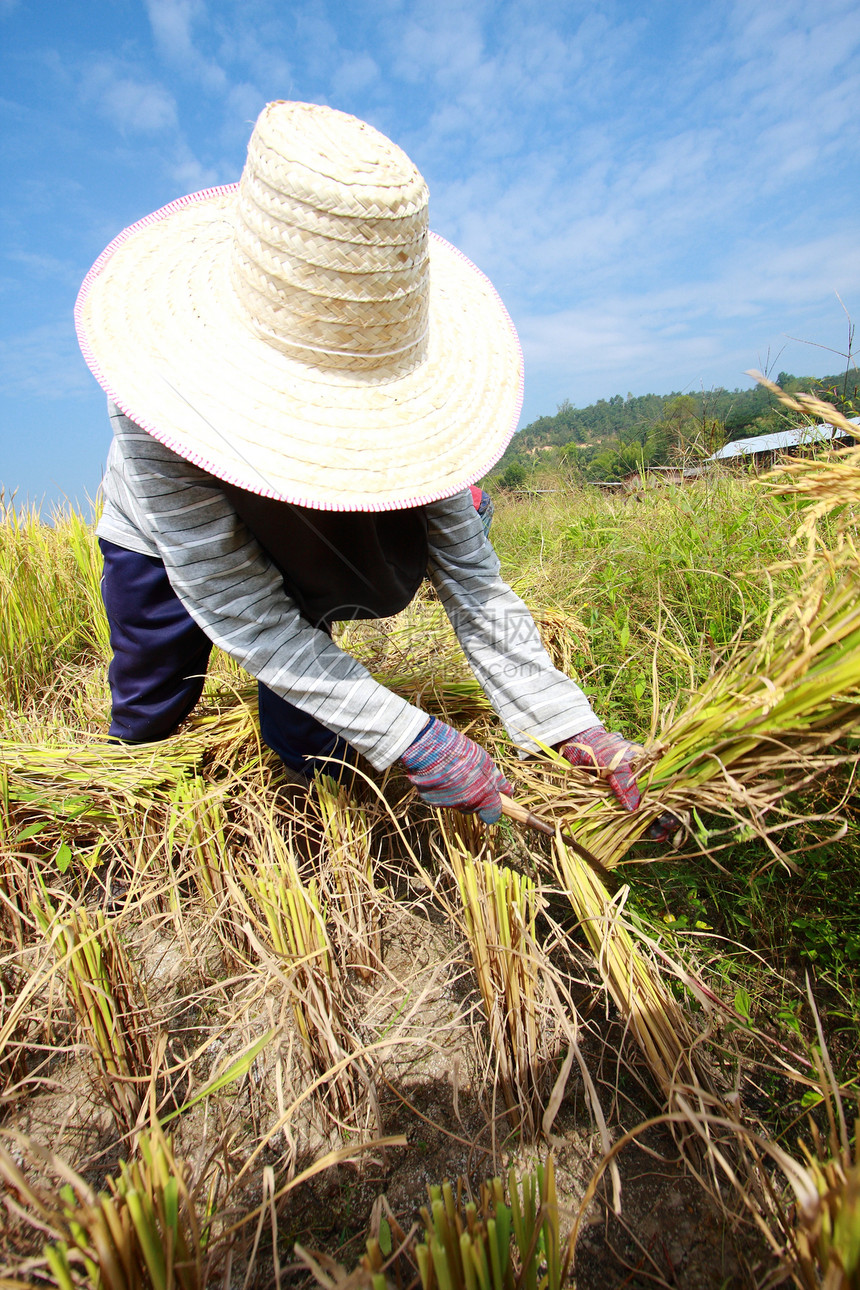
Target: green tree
{"points": [[514, 476]]}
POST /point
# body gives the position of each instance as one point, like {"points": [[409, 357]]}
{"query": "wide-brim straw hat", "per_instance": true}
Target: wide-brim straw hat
{"points": [[301, 333]]}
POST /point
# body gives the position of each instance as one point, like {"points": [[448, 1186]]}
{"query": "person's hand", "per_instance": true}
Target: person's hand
{"points": [[450, 770], [599, 750]]}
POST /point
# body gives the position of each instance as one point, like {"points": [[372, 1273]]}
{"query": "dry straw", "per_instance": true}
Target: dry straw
{"points": [[353, 902], [658, 1023], [109, 1003], [763, 726], [498, 910], [283, 913]]}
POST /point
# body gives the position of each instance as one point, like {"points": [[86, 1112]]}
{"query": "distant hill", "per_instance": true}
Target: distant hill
{"points": [[651, 426]]}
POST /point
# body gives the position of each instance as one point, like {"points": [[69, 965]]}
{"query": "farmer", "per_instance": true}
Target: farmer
{"points": [[303, 383]]}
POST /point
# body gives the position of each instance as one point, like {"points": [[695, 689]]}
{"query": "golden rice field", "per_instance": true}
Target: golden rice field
{"points": [[259, 1035]]}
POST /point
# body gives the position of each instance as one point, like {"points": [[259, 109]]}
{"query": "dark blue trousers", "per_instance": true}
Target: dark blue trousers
{"points": [[159, 665]]}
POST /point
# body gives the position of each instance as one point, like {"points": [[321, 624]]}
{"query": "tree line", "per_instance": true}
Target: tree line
{"points": [[611, 438]]}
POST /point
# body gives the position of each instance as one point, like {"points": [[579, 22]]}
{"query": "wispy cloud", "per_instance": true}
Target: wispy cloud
{"points": [[45, 266], [44, 361], [172, 23], [130, 103], [354, 72], [190, 174], [704, 331]]}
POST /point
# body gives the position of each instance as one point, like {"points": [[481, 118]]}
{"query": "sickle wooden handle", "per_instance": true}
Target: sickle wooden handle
{"points": [[522, 815]]}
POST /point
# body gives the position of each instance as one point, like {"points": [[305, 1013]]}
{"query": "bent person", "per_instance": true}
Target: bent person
{"points": [[303, 383]]}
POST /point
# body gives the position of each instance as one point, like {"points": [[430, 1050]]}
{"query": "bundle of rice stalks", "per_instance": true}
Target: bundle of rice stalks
{"points": [[352, 901], [142, 1233], [199, 833], [468, 1245], [656, 1020], [109, 1002], [494, 1246], [286, 914], [197, 829], [564, 637], [91, 781], [762, 727], [67, 775], [498, 910]]}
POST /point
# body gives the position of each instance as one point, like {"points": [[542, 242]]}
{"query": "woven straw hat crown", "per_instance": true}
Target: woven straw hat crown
{"points": [[301, 333], [330, 260]]}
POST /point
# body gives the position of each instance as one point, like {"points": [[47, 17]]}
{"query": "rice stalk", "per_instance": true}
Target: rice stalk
{"points": [[198, 831], [15, 883], [497, 912], [45, 776], [564, 637], [287, 914], [488, 1244], [494, 1246], [351, 896], [762, 726], [143, 1232], [827, 1236], [109, 1003], [13, 1034], [655, 1019], [817, 1239], [49, 597]]}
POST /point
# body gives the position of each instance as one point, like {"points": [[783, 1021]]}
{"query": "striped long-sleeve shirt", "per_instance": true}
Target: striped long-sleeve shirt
{"points": [[161, 505]]}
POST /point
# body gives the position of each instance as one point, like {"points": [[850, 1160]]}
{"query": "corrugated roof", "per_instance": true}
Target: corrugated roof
{"points": [[781, 440]]}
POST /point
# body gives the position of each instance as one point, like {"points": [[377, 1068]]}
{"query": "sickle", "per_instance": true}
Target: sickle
{"points": [[522, 815]]}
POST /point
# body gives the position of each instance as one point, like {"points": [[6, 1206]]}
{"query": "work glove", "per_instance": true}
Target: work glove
{"points": [[450, 770], [599, 749]]}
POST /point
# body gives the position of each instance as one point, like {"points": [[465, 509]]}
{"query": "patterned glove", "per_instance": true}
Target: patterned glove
{"points": [[450, 770], [664, 828], [597, 749]]}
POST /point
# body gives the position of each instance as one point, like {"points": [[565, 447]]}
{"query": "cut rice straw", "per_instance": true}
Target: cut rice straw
{"points": [[762, 725], [499, 907], [658, 1023]]}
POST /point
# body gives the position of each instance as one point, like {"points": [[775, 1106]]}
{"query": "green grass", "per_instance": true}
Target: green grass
{"points": [[683, 570]]}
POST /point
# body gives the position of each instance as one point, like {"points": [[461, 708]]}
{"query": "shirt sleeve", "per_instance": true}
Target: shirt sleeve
{"points": [[235, 593], [498, 634]]}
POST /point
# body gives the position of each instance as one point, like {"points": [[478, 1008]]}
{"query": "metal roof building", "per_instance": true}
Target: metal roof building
{"points": [[782, 440]]}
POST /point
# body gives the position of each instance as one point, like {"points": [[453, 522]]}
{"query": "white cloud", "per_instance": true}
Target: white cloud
{"points": [[703, 331], [46, 266], [245, 102], [190, 174], [172, 22], [355, 72], [44, 361], [131, 104]]}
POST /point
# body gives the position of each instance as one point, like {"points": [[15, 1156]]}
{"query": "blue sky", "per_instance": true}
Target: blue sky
{"points": [[663, 194]]}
